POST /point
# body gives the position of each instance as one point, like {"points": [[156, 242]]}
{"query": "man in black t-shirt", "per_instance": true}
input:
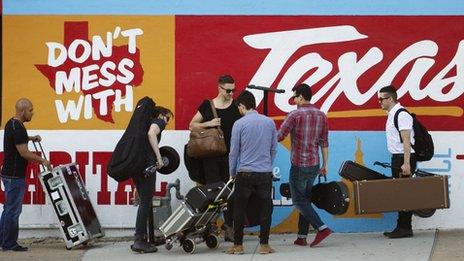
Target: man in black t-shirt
{"points": [[217, 169], [16, 155]]}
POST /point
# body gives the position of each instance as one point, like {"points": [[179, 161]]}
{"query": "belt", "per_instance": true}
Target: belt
{"points": [[252, 173], [400, 155]]}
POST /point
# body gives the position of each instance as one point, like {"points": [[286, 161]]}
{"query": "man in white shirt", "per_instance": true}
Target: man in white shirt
{"points": [[400, 140]]}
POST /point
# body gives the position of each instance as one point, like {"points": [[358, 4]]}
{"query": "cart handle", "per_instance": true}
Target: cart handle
{"points": [[42, 151]]}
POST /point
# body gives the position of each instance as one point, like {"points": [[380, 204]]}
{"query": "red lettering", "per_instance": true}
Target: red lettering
{"points": [[34, 192], [101, 159], [82, 160], [122, 195], [162, 191]]}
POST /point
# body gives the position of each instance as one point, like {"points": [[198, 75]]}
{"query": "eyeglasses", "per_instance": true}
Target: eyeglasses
{"points": [[383, 98], [227, 90]]}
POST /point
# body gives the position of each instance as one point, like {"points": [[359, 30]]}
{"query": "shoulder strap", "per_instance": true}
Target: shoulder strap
{"points": [[395, 121], [215, 115], [213, 109]]}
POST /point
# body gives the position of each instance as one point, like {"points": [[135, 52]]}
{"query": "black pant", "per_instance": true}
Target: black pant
{"points": [[260, 185], [217, 170], [397, 160], [145, 187]]}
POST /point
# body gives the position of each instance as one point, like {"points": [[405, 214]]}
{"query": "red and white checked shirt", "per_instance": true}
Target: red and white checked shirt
{"points": [[309, 130]]}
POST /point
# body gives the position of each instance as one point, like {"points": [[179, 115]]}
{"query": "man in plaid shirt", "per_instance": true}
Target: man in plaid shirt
{"points": [[309, 131]]}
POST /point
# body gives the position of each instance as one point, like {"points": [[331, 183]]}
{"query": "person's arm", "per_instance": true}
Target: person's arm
{"points": [[273, 143], [197, 124], [325, 161], [324, 143], [286, 127], [406, 167], [35, 138], [234, 150], [153, 139], [30, 156]]}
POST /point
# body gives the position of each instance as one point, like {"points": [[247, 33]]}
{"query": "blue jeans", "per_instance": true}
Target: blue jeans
{"points": [[301, 183], [9, 222]]}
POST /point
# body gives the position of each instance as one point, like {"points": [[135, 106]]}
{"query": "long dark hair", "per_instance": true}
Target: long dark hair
{"points": [[159, 110]]}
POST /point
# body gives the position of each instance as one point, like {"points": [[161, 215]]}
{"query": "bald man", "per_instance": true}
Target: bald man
{"points": [[16, 156]]}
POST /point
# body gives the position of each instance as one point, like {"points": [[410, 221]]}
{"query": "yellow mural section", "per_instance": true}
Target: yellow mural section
{"points": [[25, 38]]}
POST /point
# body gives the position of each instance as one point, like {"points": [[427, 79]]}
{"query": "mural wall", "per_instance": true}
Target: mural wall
{"points": [[84, 74]]}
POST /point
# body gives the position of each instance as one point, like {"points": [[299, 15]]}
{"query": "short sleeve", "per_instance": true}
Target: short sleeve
{"points": [[205, 110], [19, 134], [161, 123], [405, 121]]}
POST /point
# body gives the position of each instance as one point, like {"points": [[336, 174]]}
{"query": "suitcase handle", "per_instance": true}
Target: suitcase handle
{"points": [[226, 186], [319, 178], [42, 151], [417, 172]]}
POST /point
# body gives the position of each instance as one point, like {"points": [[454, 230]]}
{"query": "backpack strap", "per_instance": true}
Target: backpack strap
{"points": [[395, 121]]}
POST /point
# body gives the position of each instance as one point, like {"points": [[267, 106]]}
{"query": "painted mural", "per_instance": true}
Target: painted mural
{"points": [[84, 75]]}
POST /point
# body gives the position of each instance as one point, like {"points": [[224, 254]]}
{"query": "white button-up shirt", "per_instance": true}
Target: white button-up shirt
{"points": [[405, 122]]}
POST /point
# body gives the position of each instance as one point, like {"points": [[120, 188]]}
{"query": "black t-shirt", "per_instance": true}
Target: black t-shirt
{"points": [[151, 154], [15, 134], [228, 117], [161, 125]]}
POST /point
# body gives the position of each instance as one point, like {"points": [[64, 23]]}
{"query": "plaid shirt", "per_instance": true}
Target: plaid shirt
{"points": [[308, 127]]}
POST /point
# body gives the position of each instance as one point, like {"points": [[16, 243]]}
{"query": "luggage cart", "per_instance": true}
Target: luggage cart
{"points": [[190, 228]]}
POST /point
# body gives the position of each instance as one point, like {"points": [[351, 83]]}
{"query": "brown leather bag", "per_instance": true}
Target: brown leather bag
{"points": [[207, 143]]}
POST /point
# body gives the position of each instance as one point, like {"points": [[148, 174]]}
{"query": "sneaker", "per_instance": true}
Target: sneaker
{"points": [[266, 249], [399, 233], [300, 242], [321, 235], [235, 250]]}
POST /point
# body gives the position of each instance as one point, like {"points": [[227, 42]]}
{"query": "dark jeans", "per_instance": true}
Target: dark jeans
{"points": [[404, 217], [145, 187], [9, 222], [301, 184], [260, 185], [217, 170]]}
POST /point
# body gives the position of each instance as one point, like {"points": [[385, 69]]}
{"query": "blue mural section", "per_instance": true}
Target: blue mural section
{"points": [[235, 7], [369, 146]]}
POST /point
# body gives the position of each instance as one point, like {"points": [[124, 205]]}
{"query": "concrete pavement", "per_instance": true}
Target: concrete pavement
{"points": [[353, 246], [425, 245]]}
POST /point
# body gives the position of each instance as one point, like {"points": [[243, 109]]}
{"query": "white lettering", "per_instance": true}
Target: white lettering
{"points": [[52, 59]]}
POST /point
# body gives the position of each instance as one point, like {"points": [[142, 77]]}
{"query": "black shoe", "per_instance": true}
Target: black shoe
{"points": [[143, 247], [399, 233], [16, 248]]}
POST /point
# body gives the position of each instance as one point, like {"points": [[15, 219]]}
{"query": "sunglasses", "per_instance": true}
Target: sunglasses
{"points": [[228, 90], [383, 98]]}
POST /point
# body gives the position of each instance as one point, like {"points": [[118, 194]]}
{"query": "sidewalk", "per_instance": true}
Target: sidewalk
{"points": [[366, 246], [425, 245]]}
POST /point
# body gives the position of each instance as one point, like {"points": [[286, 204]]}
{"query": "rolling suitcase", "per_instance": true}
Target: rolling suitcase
{"points": [[353, 171], [333, 196], [403, 194], [70, 200], [199, 197]]}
